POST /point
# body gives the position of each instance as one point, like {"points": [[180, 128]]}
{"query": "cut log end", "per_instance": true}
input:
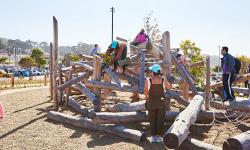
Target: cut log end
{"points": [[232, 144], [171, 141]]}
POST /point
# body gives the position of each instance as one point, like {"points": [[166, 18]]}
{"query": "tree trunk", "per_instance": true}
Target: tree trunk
{"points": [[84, 111], [178, 132], [120, 131], [237, 105], [128, 107], [238, 142], [193, 144]]}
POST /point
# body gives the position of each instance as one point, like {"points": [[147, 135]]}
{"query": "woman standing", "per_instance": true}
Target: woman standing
{"points": [[154, 90]]}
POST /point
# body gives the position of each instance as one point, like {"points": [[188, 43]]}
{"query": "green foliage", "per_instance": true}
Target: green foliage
{"points": [[245, 62], [26, 62], [74, 58], [193, 52], [38, 56], [3, 60], [152, 28], [215, 69]]}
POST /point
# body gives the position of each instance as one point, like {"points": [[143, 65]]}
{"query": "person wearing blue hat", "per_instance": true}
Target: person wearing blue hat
{"points": [[154, 89], [120, 54]]}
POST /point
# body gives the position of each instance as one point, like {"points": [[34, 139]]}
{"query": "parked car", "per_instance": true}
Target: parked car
{"points": [[24, 73], [4, 74], [36, 73]]}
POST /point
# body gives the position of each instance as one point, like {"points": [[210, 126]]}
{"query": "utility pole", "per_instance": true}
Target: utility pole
{"points": [[219, 62], [112, 11]]}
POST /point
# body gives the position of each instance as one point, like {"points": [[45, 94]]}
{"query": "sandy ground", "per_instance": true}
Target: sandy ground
{"points": [[25, 127]]}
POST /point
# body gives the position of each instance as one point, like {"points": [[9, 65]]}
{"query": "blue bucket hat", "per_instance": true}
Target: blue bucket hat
{"points": [[155, 68], [114, 44]]}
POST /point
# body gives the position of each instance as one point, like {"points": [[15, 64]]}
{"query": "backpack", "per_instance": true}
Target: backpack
{"points": [[237, 65]]}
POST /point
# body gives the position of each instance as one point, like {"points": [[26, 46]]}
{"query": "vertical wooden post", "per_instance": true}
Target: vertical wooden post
{"points": [[67, 60], [12, 80], [51, 68], [208, 90], [60, 92], [106, 79], [166, 66], [142, 73], [97, 77], [55, 51], [45, 80], [69, 77]]}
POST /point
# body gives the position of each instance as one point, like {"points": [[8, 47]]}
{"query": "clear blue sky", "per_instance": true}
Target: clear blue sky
{"points": [[207, 23]]}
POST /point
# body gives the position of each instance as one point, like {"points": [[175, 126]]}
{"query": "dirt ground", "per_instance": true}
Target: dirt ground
{"points": [[25, 127]]}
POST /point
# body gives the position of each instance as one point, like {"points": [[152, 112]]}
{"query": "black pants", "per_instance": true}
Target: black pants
{"points": [[227, 80]]}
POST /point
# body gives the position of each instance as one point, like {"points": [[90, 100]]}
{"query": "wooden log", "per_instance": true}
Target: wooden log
{"points": [[121, 39], [241, 90], [142, 74], [207, 90], [196, 64], [67, 60], [127, 107], [237, 80], [84, 111], [91, 96], [120, 131], [184, 74], [130, 78], [193, 144], [51, 68], [86, 57], [60, 81], [85, 66], [127, 117], [69, 77], [167, 62], [177, 97], [97, 77], [110, 86], [237, 105], [114, 77], [74, 81], [55, 63], [178, 132], [238, 142]]}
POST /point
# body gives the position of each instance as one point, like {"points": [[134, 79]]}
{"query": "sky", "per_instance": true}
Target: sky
{"points": [[210, 23]]}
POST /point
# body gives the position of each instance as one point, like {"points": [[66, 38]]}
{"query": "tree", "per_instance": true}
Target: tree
{"points": [[215, 69], [152, 28], [245, 62], [193, 52], [38, 56], [26, 62], [74, 58], [3, 60]]}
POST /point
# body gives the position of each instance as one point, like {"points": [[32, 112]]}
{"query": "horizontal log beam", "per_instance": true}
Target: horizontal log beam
{"points": [[84, 111], [193, 144], [74, 81], [238, 142], [110, 86], [237, 80], [81, 122], [91, 96], [86, 57], [178, 132]]}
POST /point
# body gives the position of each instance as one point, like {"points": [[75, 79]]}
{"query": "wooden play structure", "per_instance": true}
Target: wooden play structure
{"points": [[89, 78]]}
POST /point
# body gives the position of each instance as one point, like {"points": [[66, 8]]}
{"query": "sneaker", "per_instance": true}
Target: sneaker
{"points": [[153, 139], [159, 140]]}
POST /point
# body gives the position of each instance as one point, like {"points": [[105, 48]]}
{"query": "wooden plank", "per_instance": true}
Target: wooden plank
{"points": [[97, 77], [51, 68], [121, 39], [91, 96], [86, 57], [179, 131], [238, 142], [207, 90], [85, 66], [69, 77], [142, 73], [110, 86], [114, 77], [74, 81], [60, 92], [85, 123]]}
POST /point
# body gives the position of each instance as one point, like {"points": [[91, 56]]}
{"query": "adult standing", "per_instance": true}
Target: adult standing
{"points": [[228, 71]]}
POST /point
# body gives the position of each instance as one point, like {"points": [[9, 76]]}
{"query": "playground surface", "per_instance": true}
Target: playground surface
{"points": [[25, 126]]}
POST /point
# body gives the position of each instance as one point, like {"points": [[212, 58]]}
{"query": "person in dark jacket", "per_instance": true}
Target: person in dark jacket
{"points": [[154, 90], [228, 74]]}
